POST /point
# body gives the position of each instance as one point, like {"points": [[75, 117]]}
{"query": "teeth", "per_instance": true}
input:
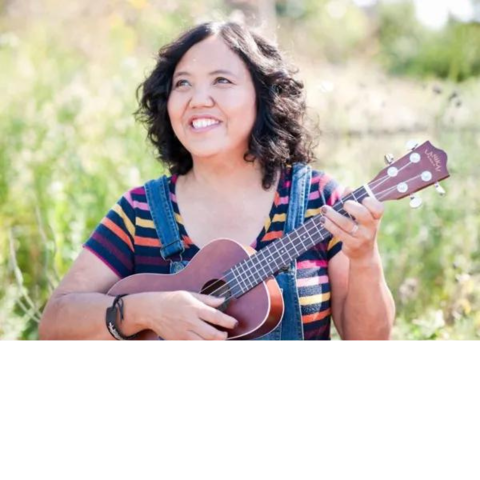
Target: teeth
{"points": [[204, 122]]}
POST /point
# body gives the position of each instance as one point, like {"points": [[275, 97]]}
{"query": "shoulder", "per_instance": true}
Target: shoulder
{"points": [[320, 178], [135, 199], [126, 206], [324, 187], [323, 181], [134, 195]]}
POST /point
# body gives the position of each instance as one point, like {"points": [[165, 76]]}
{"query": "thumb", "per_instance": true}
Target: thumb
{"points": [[346, 191], [209, 300]]}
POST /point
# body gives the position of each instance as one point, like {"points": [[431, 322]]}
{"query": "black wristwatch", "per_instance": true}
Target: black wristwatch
{"points": [[111, 319]]}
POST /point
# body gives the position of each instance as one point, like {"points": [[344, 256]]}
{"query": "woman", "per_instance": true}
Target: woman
{"points": [[226, 115]]}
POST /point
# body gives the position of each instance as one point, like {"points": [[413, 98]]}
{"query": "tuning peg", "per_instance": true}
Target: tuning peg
{"points": [[415, 202], [412, 144], [440, 190], [389, 158]]}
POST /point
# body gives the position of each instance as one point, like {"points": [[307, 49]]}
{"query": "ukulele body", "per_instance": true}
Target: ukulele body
{"points": [[258, 311]]}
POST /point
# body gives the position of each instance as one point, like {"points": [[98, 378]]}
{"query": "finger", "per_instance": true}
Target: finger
{"points": [[337, 231], [347, 191], [361, 213], [204, 331], [209, 300], [346, 223], [374, 206], [216, 317], [192, 335]]}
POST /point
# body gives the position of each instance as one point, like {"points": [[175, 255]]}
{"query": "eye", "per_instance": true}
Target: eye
{"points": [[179, 83], [222, 78]]}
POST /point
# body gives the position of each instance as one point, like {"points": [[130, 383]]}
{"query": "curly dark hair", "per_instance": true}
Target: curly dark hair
{"points": [[279, 135]]}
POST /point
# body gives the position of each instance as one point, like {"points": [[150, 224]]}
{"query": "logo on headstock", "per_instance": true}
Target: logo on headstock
{"points": [[434, 160]]}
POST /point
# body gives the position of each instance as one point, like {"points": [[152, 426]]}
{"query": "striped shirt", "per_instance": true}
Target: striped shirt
{"points": [[127, 242]]}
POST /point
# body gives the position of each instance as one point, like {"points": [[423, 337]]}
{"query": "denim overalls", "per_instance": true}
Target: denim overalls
{"points": [[158, 197]]}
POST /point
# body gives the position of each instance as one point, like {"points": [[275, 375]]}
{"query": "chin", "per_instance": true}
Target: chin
{"points": [[206, 152]]}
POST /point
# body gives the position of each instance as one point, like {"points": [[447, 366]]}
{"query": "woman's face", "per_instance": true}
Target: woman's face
{"points": [[212, 105]]}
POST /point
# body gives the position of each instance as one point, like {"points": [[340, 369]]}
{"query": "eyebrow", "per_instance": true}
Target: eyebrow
{"points": [[215, 72]]}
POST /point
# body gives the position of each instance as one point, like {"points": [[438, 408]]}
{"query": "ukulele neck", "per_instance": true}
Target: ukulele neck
{"points": [[279, 254]]}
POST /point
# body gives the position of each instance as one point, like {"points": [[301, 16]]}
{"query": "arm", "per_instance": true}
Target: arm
{"points": [[362, 304], [77, 308]]}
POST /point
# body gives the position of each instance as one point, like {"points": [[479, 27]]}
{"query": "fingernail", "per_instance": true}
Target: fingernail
{"points": [[324, 210], [323, 219]]}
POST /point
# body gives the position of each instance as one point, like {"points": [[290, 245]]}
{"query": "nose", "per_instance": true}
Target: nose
{"points": [[201, 98]]}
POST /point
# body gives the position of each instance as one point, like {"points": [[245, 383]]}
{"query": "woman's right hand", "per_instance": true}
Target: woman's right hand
{"points": [[181, 315]]}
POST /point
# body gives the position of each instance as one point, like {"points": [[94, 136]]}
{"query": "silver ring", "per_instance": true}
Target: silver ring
{"points": [[354, 230]]}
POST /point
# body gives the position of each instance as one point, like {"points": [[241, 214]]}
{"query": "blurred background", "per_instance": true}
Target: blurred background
{"points": [[377, 74]]}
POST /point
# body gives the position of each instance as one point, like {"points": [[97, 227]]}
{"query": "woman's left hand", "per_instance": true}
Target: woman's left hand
{"points": [[359, 235]]}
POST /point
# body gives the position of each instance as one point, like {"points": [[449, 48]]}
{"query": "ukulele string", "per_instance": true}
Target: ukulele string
{"points": [[391, 189], [224, 289], [372, 185], [384, 193], [311, 228], [381, 180]]}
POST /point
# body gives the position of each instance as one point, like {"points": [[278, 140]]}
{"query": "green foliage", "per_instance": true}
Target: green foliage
{"points": [[407, 47], [70, 147], [431, 255], [323, 29]]}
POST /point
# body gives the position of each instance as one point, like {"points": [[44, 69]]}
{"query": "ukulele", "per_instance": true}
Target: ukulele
{"points": [[245, 277]]}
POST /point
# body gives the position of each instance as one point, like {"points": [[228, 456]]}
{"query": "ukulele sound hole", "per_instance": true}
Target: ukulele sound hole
{"points": [[217, 288]]}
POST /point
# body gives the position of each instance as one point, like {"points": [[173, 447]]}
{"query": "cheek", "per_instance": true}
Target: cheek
{"points": [[171, 109], [174, 113], [176, 104], [244, 111]]}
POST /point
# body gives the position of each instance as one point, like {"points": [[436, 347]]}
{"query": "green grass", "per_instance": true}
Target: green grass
{"points": [[70, 147]]}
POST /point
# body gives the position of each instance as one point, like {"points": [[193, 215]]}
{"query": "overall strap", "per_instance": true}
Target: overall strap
{"points": [[161, 208], [291, 327], [299, 190]]}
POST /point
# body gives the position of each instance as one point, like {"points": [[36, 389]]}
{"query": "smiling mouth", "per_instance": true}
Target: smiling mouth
{"points": [[203, 125]]}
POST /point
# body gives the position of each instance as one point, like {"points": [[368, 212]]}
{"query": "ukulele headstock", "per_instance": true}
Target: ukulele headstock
{"points": [[423, 166]]}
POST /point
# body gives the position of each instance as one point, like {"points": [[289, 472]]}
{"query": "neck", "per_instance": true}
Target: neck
{"points": [[224, 176]]}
